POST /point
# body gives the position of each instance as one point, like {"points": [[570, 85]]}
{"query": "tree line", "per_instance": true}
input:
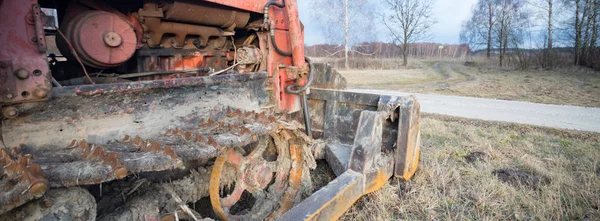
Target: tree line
{"points": [[505, 28], [391, 50]]}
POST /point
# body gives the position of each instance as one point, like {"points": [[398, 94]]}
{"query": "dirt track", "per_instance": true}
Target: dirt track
{"points": [[569, 86]]}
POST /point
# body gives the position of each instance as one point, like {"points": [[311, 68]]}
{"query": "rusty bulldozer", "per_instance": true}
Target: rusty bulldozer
{"points": [[184, 110]]}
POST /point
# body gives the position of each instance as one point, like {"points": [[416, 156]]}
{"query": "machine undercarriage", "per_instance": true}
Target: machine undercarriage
{"points": [[183, 110]]}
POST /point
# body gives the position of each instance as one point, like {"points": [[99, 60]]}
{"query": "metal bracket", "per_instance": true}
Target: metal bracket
{"points": [[408, 144], [38, 22]]}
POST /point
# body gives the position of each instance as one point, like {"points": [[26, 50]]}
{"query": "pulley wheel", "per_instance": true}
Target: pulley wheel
{"points": [[102, 39]]}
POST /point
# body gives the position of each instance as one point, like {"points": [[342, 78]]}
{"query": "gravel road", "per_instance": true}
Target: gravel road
{"points": [[546, 115]]}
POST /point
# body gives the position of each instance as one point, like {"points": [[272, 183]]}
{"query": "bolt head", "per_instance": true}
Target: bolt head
{"points": [[10, 112], [41, 92], [10, 96], [22, 74], [113, 39]]}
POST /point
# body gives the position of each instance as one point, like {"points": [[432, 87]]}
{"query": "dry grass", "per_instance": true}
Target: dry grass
{"points": [[567, 86], [448, 187], [383, 78]]}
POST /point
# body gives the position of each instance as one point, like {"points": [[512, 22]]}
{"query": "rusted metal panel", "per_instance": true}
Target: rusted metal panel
{"points": [[328, 78], [401, 132], [296, 33], [362, 170], [22, 50], [367, 142], [331, 201], [100, 113], [337, 157], [211, 15], [168, 59]]}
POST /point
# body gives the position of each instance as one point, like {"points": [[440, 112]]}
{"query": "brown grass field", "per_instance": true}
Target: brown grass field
{"points": [[475, 170], [566, 86]]}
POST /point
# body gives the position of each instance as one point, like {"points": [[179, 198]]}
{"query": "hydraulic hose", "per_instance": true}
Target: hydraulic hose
{"points": [[292, 88], [303, 97], [272, 32]]}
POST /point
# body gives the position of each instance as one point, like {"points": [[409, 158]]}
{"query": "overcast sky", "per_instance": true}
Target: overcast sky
{"points": [[449, 13]]}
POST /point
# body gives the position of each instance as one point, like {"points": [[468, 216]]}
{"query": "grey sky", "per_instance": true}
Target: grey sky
{"points": [[449, 13]]}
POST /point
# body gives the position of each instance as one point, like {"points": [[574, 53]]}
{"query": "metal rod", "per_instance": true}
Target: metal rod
{"points": [[306, 115], [143, 74]]}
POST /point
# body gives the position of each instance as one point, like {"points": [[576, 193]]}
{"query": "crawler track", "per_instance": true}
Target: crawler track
{"points": [[30, 171]]}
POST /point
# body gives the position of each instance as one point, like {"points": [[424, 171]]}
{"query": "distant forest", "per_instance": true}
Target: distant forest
{"points": [[388, 50]]}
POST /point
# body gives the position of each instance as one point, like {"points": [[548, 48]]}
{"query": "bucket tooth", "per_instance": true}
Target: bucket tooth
{"points": [[211, 122], [154, 147], [83, 144], [24, 182], [73, 144], [126, 139], [238, 112], [178, 131], [170, 132], [212, 142], [118, 171], [272, 119], [94, 153], [169, 151], [188, 136], [138, 141], [229, 112], [38, 184], [201, 139]]}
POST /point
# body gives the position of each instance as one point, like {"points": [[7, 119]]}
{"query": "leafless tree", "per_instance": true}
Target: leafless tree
{"points": [[584, 30], [545, 11], [344, 21], [511, 26], [409, 21], [478, 30]]}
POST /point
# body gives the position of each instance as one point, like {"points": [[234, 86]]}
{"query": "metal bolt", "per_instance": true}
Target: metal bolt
{"points": [[41, 92], [22, 74], [9, 96], [113, 39], [34, 39], [10, 112]]}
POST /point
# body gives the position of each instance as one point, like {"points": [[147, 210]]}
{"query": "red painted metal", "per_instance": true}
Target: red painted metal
{"points": [[296, 35], [248, 5], [20, 51]]}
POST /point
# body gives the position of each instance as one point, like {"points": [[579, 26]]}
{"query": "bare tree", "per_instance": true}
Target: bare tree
{"points": [[511, 26], [409, 21], [344, 22], [578, 28], [478, 30]]}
